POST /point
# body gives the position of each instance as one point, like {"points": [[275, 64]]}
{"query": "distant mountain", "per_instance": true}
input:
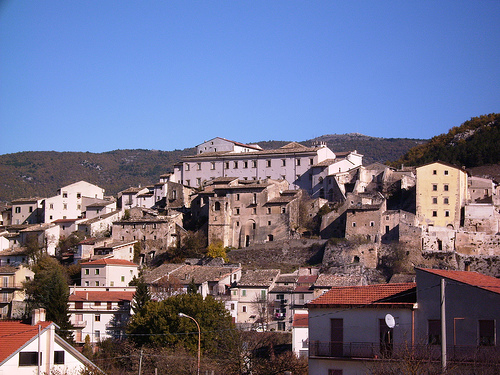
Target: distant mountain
{"points": [[41, 173], [474, 143]]}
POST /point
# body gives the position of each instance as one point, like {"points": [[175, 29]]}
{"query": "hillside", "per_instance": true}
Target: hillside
{"points": [[474, 143], [41, 173]]}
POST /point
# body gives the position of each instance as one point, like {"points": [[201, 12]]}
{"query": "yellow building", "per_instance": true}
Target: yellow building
{"points": [[441, 194]]}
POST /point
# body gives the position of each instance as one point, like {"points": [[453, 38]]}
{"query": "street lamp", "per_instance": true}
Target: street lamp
{"points": [[182, 315]]}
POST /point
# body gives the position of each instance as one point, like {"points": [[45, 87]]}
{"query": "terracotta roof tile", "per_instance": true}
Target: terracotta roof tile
{"points": [[361, 295], [14, 334], [300, 320], [101, 296], [476, 279]]}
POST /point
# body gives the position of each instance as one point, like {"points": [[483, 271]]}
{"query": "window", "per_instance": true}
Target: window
{"points": [[65, 194], [78, 195], [372, 223], [198, 166], [353, 224], [254, 164], [97, 334], [269, 210], [447, 213], [237, 196], [65, 206], [18, 210], [487, 332], [268, 163], [434, 200], [29, 358], [237, 223], [212, 166], [217, 206], [122, 279], [97, 303], [97, 283], [226, 164], [434, 213], [97, 318], [283, 210], [237, 211], [97, 271], [243, 308], [59, 357], [446, 188], [311, 161], [235, 165], [446, 172], [78, 305], [269, 222], [254, 226], [297, 162], [243, 293], [188, 182], [245, 164], [270, 238], [232, 306], [51, 206], [187, 167], [434, 187], [446, 201], [31, 209], [198, 181], [434, 332], [87, 271], [434, 171], [283, 162]]}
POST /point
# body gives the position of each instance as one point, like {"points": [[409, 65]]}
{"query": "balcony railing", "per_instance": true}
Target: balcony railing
{"points": [[80, 324], [369, 350]]}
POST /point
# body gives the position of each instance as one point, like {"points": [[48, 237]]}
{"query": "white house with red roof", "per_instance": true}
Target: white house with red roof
{"points": [[360, 329], [300, 335], [27, 349], [108, 272], [99, 312]]}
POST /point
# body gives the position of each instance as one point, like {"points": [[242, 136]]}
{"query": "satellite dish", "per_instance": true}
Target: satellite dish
{"points": [[390, 321]]}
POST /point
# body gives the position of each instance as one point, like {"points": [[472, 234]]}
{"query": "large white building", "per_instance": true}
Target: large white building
{"points": [[303, 167], [71, 200]]}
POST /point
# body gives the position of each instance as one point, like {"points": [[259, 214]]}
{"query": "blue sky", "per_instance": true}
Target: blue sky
{"points": [[104, 75]]}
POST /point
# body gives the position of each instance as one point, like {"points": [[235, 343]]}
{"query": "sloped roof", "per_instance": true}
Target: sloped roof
{"points": [[111, 262], [379, 294], [300, 320], [263, 278], [15, 335], [151, 276], [475, 279], [201, 274], [100, 296], [326, 280]]}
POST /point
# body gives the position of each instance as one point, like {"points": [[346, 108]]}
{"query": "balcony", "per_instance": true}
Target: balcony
{"points": [[367, 350], [280, 316], [80, 324]]}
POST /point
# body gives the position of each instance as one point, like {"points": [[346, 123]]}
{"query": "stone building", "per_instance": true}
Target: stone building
{"points": [[441, 194], [243, 212], [303, 167], [156, 233]]}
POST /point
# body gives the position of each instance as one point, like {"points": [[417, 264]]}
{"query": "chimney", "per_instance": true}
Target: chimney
{"points": [[37, 316]]}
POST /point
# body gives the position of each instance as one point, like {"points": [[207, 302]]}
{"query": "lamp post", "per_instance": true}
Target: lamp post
{"points": [[182, 315]]}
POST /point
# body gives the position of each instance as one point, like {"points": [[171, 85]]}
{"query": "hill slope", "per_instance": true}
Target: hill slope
{"points": [[41, 173], [474, 143]]}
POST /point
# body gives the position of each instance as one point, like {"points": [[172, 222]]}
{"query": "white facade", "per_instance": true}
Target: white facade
{"points": [[57, 356], [292, 162], [69, 201], [108, 272]]}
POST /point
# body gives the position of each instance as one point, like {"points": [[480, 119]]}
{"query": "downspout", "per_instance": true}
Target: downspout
{"points": [[38, 359]]}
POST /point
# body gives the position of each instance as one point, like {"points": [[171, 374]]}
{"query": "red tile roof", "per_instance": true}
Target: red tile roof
{"points": [[101, 296], [300, 320], [361, 295], [110, 261], [467, 277], [15, 334]]}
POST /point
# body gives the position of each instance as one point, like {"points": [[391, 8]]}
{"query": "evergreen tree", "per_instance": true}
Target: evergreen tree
{"points": [[49, 289], [141, 296]]}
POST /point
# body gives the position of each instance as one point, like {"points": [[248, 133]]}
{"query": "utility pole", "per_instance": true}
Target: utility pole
{"points": [[443, 326], [140, 362]]}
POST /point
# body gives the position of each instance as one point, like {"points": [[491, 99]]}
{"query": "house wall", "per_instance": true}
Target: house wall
{"points": [[432, 182], [481, 218], [109, 275], [477, 244], [68, 203], [465, 306], [27, 212]]}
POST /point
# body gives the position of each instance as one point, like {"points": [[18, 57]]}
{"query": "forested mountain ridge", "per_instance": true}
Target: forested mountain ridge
{"points": [[474, 143], [41, 173]]}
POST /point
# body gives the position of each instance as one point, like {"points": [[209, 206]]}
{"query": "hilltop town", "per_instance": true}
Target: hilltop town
{"points": [[263, 231]]}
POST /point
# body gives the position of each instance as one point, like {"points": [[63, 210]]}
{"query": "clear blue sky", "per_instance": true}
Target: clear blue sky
{"points": [[103, 75]]}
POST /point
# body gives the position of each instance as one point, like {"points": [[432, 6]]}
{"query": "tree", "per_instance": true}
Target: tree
{"points": [[141, 296], [217, 250], [49, 289], [159, 323]]}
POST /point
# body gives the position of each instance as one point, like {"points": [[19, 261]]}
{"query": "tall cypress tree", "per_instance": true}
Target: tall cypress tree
{"points": [[49, 289], [141, 296]]}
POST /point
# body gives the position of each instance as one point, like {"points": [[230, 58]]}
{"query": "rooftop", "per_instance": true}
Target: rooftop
{"points": [[475, 279], [16, 334], [264, 278]]}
